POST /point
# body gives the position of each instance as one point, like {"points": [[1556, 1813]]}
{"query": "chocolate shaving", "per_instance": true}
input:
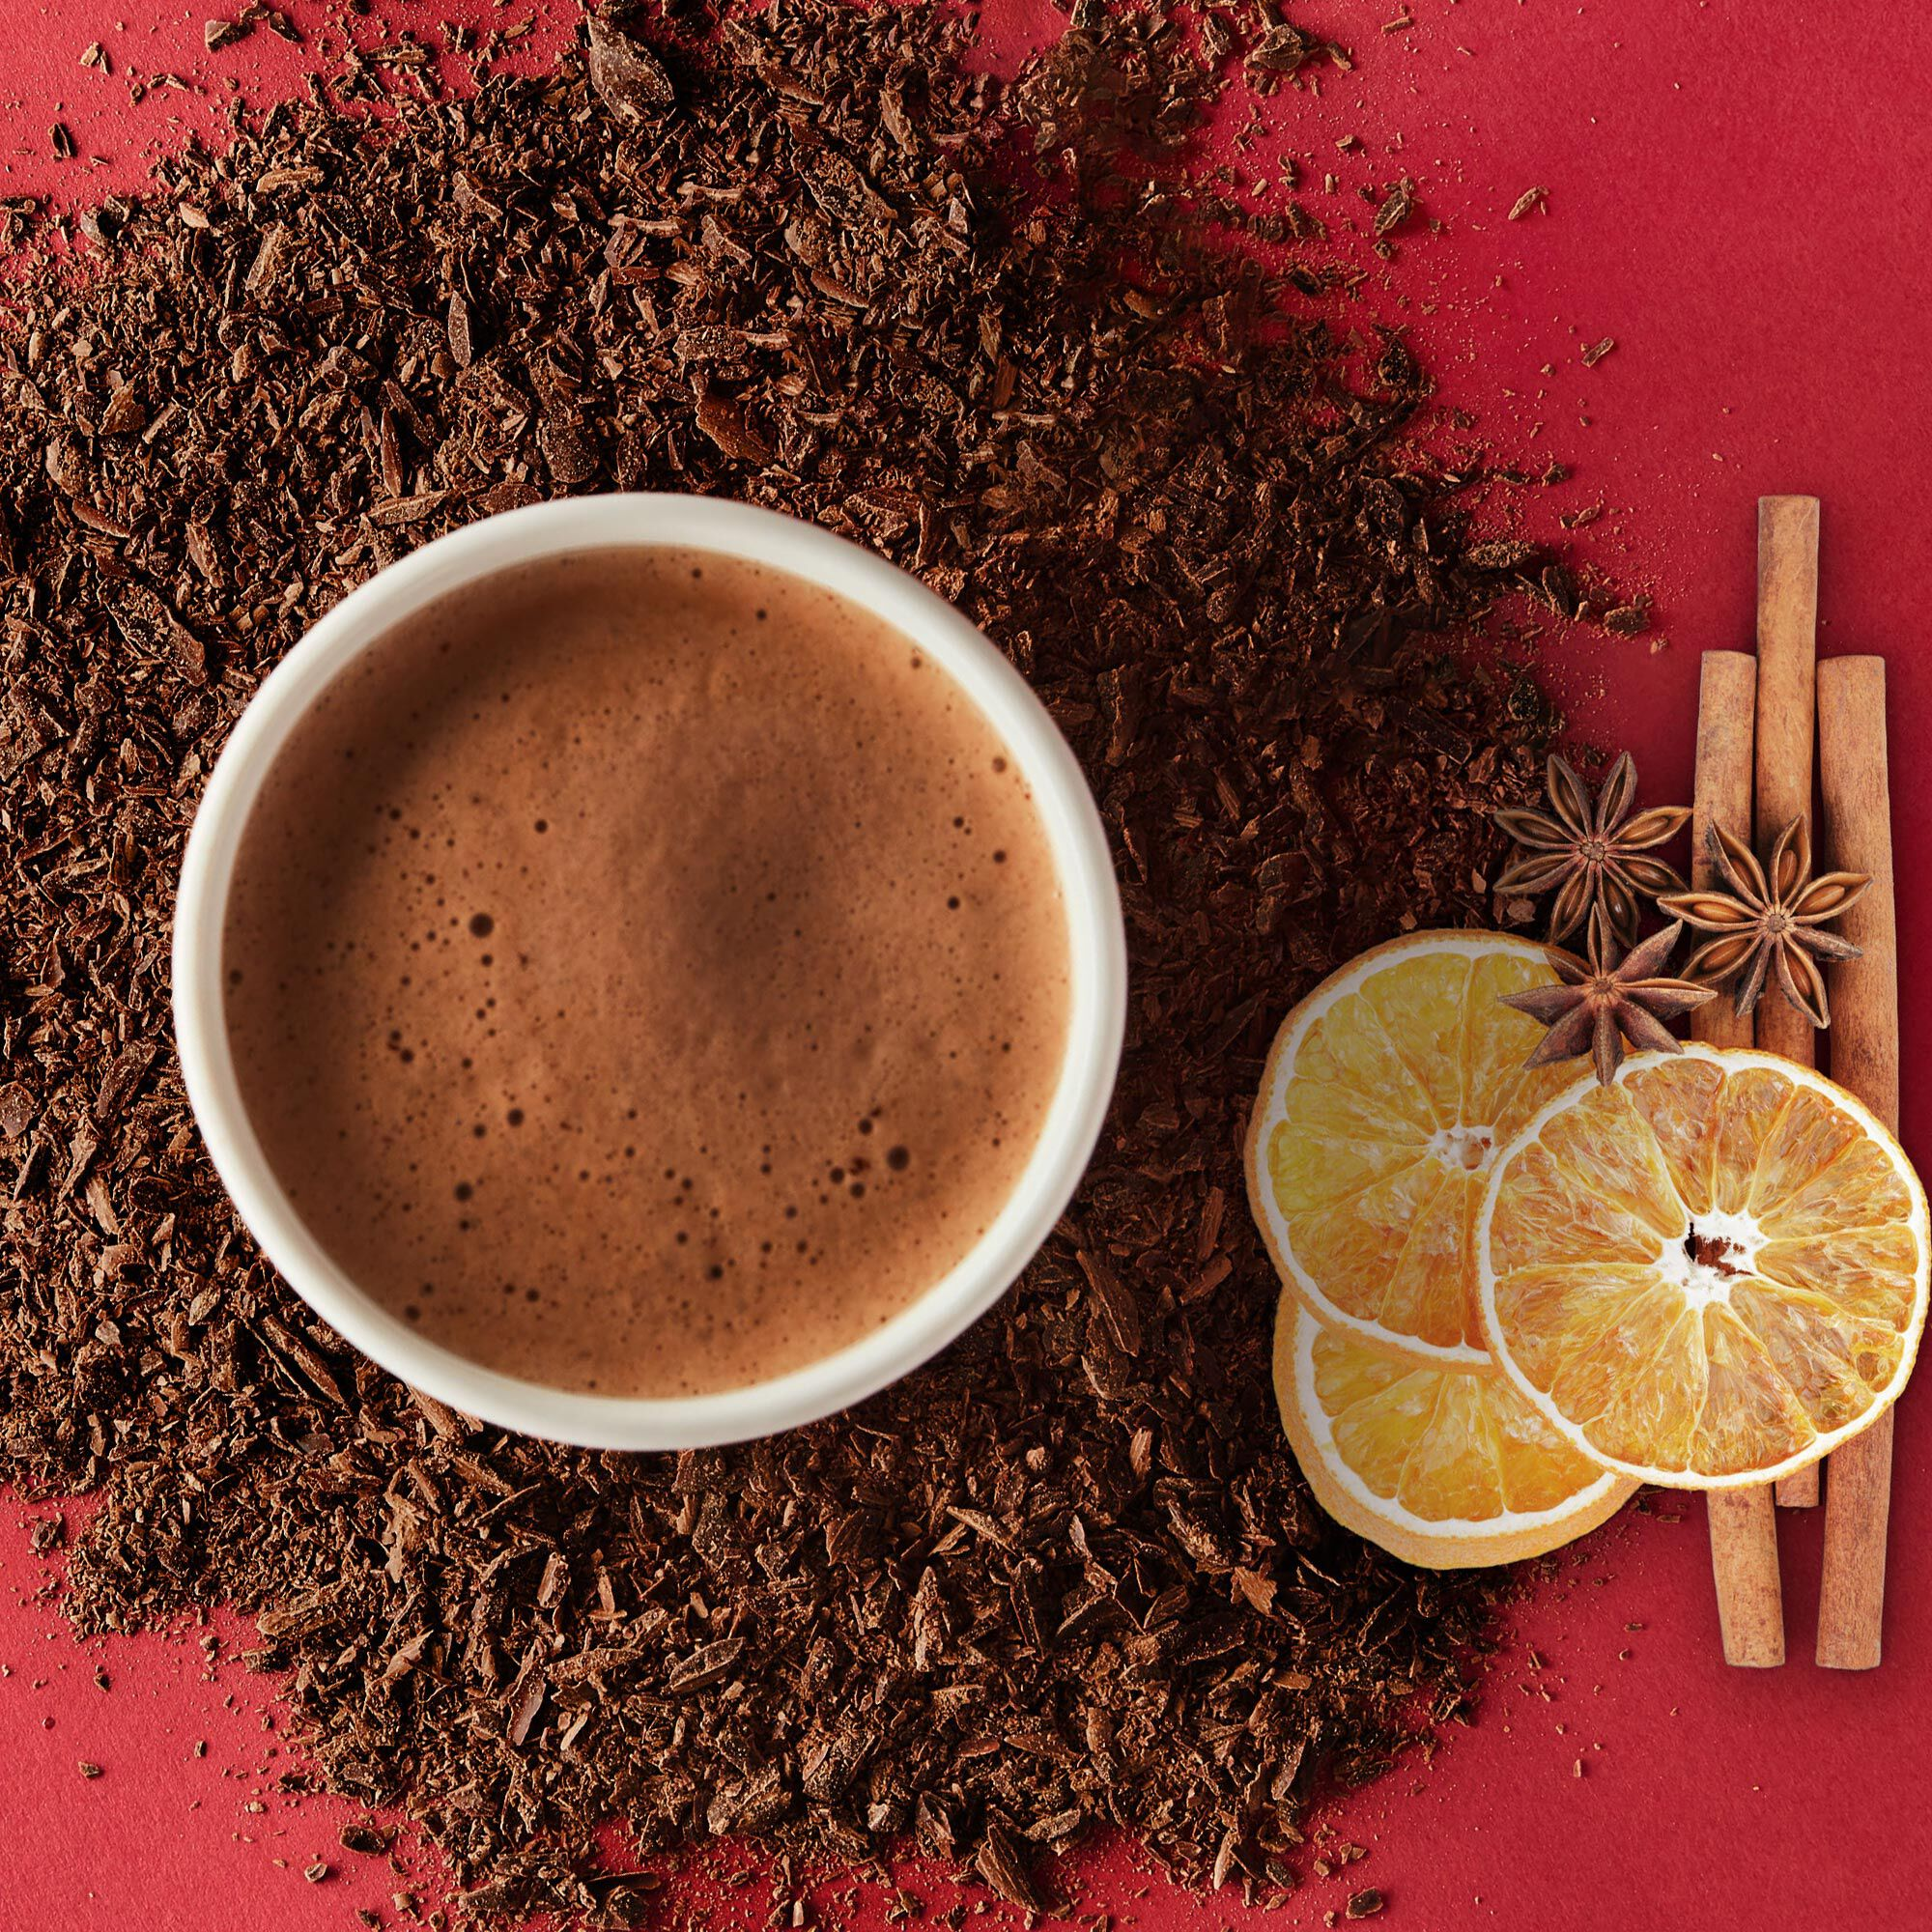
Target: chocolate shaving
{"points": [[998, 1861], [630, 79]]}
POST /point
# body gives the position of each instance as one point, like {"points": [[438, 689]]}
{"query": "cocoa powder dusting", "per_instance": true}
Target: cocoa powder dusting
{"points": [[1068, 1574]]}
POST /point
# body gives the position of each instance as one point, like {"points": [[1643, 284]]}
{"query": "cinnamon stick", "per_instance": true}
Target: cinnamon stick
{"points": [[1787, 661], [1856, 833], [1744, 1525], [1721, 795]]}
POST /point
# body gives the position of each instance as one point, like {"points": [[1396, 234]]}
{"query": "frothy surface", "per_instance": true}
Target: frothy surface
{"points": [[645, 972]]}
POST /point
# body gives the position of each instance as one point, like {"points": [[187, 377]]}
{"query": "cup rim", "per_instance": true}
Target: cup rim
{"points": [[1097, 957]]}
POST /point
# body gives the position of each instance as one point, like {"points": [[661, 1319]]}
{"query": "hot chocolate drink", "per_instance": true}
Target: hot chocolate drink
{"points": [[645, 972]]}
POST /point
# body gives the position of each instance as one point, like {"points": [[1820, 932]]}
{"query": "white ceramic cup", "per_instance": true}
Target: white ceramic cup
{"points": [[1096, 947]]}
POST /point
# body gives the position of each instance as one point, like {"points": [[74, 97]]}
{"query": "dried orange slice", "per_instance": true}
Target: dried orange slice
{"points": [[1441, 1464], [1387, 1091], [1709, 1274]]}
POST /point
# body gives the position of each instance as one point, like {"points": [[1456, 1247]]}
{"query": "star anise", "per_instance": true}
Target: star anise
{"points": [[1592, 851], [1606, 999], [1771, 917]]}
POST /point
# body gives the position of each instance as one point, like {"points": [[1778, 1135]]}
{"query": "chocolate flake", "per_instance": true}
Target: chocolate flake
{"points": [[630, 79]]}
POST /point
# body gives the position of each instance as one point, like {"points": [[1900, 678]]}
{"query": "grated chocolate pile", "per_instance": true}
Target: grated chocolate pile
{"points": [[1068, 1574]]}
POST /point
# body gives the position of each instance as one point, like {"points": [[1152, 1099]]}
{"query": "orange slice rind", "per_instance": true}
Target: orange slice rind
{"points": [[1708, 1274]]}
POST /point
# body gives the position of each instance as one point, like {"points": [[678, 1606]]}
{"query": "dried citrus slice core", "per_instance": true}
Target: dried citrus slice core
{"points": [[1709, 1274], [1442, 1464], [1387, 1096]]}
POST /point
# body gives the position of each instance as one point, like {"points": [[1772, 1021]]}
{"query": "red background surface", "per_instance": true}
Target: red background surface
{"points": [[1736, 194]]}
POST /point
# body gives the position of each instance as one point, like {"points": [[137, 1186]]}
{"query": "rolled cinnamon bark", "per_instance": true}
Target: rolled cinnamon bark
{"points": [[1744, 1524], [1856, 829], [1787, 669]]}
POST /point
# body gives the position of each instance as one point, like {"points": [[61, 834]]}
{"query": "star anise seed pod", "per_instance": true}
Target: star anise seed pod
{"points": [[1592, 851], [1771, 917], [1604, 1000]]}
